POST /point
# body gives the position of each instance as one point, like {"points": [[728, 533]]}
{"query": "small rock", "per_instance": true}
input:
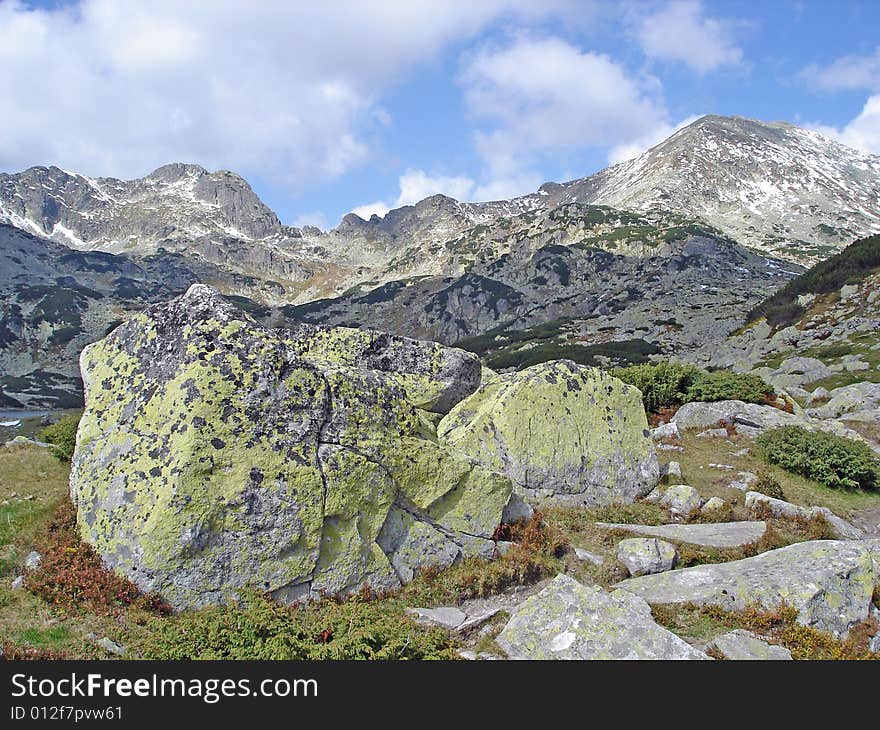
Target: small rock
{"points": [[681, 499], [820, 394], [654, 496], [32, 561], [589, 557], [516, 510], [472, 621], [449, 617], [110, 646], [669, 447], [17, 583], [714, 534], [467, 654], [714, 504], [744, 646], [715, 433], [724, 467], [874, 646], [502, 546], [644, 556], [666, 431], [671, 471], [744, 481]]}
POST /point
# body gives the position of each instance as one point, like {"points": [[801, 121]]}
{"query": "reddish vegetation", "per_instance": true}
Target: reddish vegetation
{"points": [[72, 576]]}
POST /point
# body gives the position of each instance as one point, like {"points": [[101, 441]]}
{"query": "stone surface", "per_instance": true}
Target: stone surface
{"points": [[564, 434], [646, 555], [849, 399], [589, 557], [17, 582], [32, 561], [681, 499], [672, 471], [517, 510], [666, 431], [828, 582], [568, 620], [110, 646], [743, 481], [780, 508], [449, 617], [213, 455], [740, 645], [713, 505], [712, 534]]}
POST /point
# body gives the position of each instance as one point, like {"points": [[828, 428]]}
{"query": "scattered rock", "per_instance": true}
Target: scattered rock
{"points": [[681, 499], [32, 561], [666, 431], [669, 447], [744, 481], [449, 617], [110, 646], [563, 433], [740, 645], [713, 534], [780, 508], [568, 620], [828, 582], [25, 441], [589, 557], [517, 510], [654, 496], [714, 433], [646, 555], [848, 400], [713, 505], [17, 582], [671, 471]]}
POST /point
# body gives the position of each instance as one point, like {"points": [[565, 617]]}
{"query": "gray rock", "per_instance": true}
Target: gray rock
{"points": [[110, 646], [713, 534], [740, 645], [644, 555], [713, 505], [671, 471], [744, 481], [589, 557], [806, 369], [681, 499], [666, 431], [654, 496], [849, 399], [25, 441], [780, 508], [32, 561], [17, 582], [568, 620], [517, 510], [714, 433], [828, 582], [449, 617]]}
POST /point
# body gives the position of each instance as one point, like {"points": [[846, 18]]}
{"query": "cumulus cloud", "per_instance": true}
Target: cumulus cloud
{"points": [[681, 31], [416, 185], [628, 150], [846, 73], [288, 90], [545, 95], [863, 132]]}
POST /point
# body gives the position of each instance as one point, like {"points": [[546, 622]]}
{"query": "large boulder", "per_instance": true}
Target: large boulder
{"points": [[851, 401], [215, 455], [568, 620], [564, 433], [828, 582], [710, 534]]}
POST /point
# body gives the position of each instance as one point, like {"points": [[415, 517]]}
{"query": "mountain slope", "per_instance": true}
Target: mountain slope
{"points": [[773, 186]]}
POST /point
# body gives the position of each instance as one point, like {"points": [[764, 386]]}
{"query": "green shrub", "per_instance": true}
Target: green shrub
{"points": [[663, 385], [831, 460], [728, 385], [62, 436]]}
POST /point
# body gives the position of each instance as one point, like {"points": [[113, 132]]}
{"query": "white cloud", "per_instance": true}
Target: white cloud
{"points": [[415, 185], [286, 90], [848, 72], [680, 31], [628, 150], [315, 218], [863, 132]]}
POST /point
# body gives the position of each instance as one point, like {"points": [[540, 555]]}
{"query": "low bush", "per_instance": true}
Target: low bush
{"points": [[670, 385], [769, 485], [71, 575], [728, 385], [62, 436], [834, 461]]}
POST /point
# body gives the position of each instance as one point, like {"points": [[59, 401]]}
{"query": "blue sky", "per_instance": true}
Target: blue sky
{"points": [[341, 105]]}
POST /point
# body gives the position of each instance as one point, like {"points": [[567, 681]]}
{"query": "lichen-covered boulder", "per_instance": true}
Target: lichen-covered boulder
{"points": [[564, 433], [214, 455], [740, 645], [646, 555], [568, 620]]}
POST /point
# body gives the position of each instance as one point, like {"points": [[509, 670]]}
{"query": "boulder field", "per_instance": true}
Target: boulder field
{"points": [[216, 455]]}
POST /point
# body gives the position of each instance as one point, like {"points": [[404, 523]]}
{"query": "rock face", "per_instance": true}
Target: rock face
{"points": [[216, 454], [568, 620], [646, 555], [828, 582], [843, 530], [563, 433], [681, 499]]}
